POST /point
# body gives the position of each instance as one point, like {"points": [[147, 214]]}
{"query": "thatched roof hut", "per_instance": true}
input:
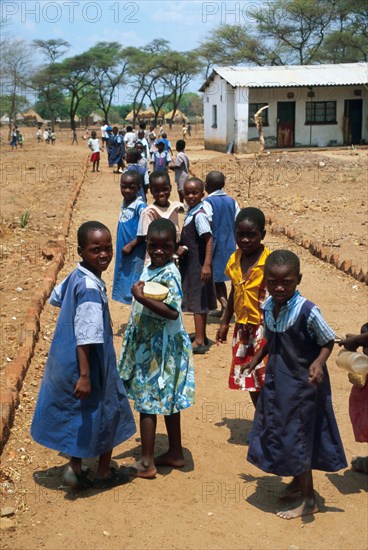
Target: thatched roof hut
{"points": [[31, 115]]}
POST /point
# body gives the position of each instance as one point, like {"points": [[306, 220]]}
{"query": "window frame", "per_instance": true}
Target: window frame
{"points": [[214, 116], [313, 114]]}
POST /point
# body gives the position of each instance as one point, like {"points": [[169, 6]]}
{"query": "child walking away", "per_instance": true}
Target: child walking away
{"points": [[156, 362], [94, 145], [181, 168], [160, 159], [294, 430], [245, 268], [116, 150], [221, 211], [130, 250], [160, 187], [195, 255], [82, 409]]}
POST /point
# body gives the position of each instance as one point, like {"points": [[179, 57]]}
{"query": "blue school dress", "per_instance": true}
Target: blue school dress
{"points": [[116, 149], [223, 223], [294, 427], [128, 267], [156, 358], [93, 426]]}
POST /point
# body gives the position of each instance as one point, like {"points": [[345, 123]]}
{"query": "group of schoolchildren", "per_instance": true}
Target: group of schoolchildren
{"points": [[280, 341], [120, 144]]}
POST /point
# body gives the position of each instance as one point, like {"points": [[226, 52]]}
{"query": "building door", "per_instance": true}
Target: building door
{"points": [[353, 118], [285, 123]]}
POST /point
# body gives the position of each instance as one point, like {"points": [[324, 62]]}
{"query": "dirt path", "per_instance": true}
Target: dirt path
{"points": [[218, 500]]}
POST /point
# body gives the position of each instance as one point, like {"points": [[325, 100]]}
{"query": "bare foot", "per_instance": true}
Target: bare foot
{"points": [[169, 460], [291, 491], [141, 470], [307, 507]]}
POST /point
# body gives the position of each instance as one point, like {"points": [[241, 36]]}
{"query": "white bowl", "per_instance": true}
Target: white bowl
{"points": [[155, 291]]}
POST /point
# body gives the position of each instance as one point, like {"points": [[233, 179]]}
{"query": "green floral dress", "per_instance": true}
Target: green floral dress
{"points": [[156, 358]]}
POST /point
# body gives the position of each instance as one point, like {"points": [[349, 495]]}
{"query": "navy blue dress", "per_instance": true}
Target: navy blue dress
{"points": [[294, 428], [223, 232]]}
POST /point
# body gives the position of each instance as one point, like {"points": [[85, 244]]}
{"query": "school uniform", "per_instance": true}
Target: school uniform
{"points": [[128, 267], [199, 296], [82, 428], [221, 211], [294, 427]]}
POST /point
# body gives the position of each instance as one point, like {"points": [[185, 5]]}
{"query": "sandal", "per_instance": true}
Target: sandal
{"points": [[76, 481], [200, 350], [360, 464], [116, 477]]}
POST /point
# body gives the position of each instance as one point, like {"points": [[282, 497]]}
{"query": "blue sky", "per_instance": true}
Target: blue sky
{"points": [[83, 23]]}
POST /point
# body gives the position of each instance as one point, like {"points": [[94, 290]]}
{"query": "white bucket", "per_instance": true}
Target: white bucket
{"points": [[352, 361]]}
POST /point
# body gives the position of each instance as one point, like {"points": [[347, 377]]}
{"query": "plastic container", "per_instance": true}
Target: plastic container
{"points": [[156, 291], [352, 361]]}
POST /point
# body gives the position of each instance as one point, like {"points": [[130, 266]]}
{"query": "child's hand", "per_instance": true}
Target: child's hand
{"points": [[206, 273], [315, 373], [349, 342], [83, 387], [127, 249], [137, 290], [221, 334], [181, 251], [251, 365]]}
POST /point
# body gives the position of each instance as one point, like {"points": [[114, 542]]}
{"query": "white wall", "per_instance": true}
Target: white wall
{"points": [[232, 106], [322, 134], [219, 93]]}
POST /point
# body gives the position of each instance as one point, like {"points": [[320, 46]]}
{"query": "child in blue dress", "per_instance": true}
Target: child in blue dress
{"points": [[130, 249], [294, 430], [195, 255], [82, 408], [156, 360], [221, 211]]}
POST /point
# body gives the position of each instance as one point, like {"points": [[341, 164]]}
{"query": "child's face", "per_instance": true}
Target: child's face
{"points": [[98, 252], [160, 147], [160, 190], [192, 194], [248, 236], [281, 281], [160, 248], [129, 189]]}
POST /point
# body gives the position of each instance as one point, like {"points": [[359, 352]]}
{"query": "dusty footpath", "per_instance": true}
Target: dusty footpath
{"points": [[218, 500]]}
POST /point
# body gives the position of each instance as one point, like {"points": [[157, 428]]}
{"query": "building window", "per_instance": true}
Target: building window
{"points": [[320, 112], [214, 116], [253, 108]]}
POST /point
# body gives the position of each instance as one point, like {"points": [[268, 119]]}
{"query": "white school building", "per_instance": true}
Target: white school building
{"points": [[308, 106]]}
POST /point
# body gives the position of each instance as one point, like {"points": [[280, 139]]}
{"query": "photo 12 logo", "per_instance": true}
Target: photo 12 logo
{"points": [[71, 11], [228, 12]]}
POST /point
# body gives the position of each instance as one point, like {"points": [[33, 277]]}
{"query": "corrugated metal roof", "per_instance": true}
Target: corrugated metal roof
{"points": [[283, 76]]}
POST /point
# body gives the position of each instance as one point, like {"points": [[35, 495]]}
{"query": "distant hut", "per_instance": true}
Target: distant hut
{"points": [[179, 118], [31, 116]]}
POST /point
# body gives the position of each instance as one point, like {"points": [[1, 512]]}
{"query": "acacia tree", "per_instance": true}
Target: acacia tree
{"points": [[348, 40], [53, 49], [178, 70], [109, 69], [144, 64], [75, 77], [292, 31], [15, 68], [43, 81]]}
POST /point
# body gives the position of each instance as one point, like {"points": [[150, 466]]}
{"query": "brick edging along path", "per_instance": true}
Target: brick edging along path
{"points": [[17, 369]]}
